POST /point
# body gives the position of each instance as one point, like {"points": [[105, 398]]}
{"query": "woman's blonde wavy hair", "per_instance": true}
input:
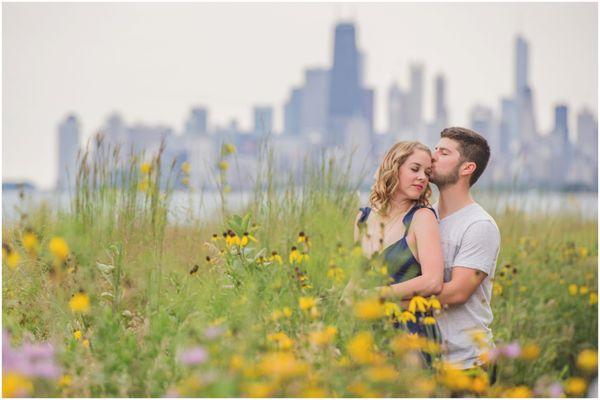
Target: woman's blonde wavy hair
{"points": [[386, 178]]}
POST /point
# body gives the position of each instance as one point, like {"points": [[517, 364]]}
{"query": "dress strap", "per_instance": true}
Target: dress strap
{"points": [[365, 214], [409, 216]]}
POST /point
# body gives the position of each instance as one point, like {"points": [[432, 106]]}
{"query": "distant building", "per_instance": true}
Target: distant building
{"points": [[441, 113], [415, 97], [346, 95], [263, 121], [314, 102], [397, 110], [292, 113], [68, 147], [197, 122]]}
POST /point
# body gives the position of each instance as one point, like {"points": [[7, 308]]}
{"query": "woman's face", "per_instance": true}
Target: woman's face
{"points": [[414, 174]]}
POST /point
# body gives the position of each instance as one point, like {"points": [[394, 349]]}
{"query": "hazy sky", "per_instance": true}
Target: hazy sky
{"points": [[153, 62]]}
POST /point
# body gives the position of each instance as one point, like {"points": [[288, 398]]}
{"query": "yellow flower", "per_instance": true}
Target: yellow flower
{"points": [[59, 248], [145, 168], [282, 340], [80, 303], [369, 309], [185, 167], [518, 392], [281, 365], [435, 303], [314, 392], [530, 351], [232, 239], [86, 343], [275, 315], [582, 251], [307, 303], [497, 289], [30, 242], [575, 386], [259, 389], [223, 165], [15, 385], [246, 238], [383, 373], [587, 360], [455, 379], [287, 312], [391, 309], [572, 289], [228, 148], [144, 185], [360, 348], [301, 238], [336, 274], [593, 298], [275, 257], [322, 338], [65, 381], [404, 342], [418, 303], [429, 321], [479, 384], [236, 362], [77, 334], [583, 290], [185, 181], [13, 259], [407, 316], [522, 289]]}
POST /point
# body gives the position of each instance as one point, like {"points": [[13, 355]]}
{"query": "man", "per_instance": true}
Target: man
{"points": [[470, 245]]}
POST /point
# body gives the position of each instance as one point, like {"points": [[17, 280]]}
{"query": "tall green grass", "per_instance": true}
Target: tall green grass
{"points": [[150, 303]]}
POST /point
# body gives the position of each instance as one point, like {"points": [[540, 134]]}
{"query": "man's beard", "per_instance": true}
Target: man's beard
{"points": [[444, 180]]}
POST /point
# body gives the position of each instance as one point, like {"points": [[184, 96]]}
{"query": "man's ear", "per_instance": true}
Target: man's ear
{"points": [[468, 168]]}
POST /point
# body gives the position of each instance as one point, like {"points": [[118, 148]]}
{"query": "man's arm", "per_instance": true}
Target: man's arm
{"points": [[463, 284]]}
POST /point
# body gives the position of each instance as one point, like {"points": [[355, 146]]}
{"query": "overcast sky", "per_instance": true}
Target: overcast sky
{"points": [[153, 62]]}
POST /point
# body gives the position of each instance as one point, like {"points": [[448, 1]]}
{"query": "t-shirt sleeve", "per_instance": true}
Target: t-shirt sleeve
{"points": [[479, 247]]}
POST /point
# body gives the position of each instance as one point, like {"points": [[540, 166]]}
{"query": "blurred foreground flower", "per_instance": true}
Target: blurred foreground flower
{"points": [[59, 248], [21, 365], [80, 303], [195, 355]]}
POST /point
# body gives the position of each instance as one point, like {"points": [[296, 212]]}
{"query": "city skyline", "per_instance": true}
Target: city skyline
{"points": [[545, 116]]}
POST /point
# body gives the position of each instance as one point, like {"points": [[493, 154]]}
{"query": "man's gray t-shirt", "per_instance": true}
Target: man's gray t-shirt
{"points": [[471, 239]]}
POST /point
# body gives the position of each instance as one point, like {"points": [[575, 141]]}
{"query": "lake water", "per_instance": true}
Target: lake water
{"points": [[584, 205]]}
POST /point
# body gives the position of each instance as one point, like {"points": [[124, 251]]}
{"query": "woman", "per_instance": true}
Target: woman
{"points": [[403, 228]]}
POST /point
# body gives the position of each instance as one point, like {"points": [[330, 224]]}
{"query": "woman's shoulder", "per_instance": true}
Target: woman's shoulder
{"points": [[424, 213]]}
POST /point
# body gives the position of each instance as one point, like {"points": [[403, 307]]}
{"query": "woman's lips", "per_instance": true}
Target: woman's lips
{"points": [[420, 187]]}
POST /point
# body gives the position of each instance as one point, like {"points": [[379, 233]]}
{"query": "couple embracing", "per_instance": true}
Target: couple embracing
{"points": [[448, 249]]}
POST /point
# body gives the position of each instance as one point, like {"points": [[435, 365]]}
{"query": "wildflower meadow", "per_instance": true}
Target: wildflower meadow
{"points": [[112, 297]]}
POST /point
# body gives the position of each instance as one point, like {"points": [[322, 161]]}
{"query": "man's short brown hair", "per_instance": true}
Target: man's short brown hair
{"points": [[472, 147]]}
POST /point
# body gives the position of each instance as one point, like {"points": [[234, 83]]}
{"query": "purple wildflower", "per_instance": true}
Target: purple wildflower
{"points": [[193, 356], [213, 332], [512, 350]]}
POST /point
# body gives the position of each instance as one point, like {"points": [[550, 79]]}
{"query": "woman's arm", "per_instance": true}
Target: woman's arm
{"points": [[429, 250]]}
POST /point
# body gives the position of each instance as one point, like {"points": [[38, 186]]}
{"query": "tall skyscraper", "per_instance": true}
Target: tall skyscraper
{"points": [[415, 101], [587, 132], [561, 125], [396, 110], [345, 92], [315, 99], [68, 146], [292, 113], [521, 64], [263, 120], [509, 128], [197, 122], [527, 131], [441, 114]]}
